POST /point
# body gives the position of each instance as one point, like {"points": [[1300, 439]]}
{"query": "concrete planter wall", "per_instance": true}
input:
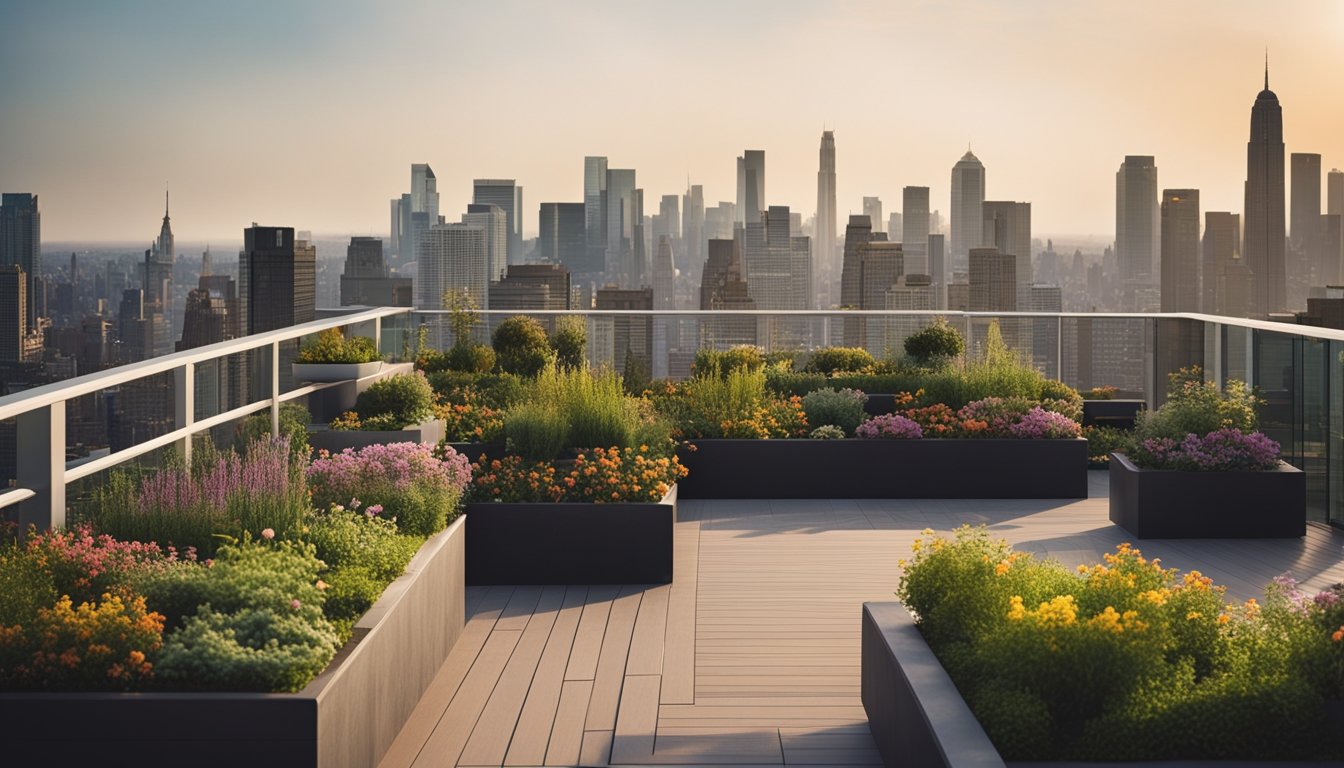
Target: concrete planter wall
{"points": [[1112, 413], [1165, 504], [885, 469], [333, 401], [335, 441], [345, 718], [571, 542], [327, 372]]}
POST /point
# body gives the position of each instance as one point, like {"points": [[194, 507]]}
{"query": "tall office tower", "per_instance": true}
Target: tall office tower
{"points": [[639, 258], [669, 218], [277, 288], [774, 276], [872, 208], [532, 286], [993, 281], [624, 340], [206, 320], [1137, 231], [366, 280], [750, 186], [895, 226], [595, 208], [417, 211], [723, 285], [394, 239], [968, 197], [880, 264], [1008, 228], [1263, 246], [621, 220], [425, 191], [665, 329], [1330, 249], [562, 238], [1180, 250], [453, 257], [915, 229], [13, 312], [158, 286], [1304, 266], [494, 220], [858, 231], [506, 194], [719, 221], [691, 259], [911, 292], [1334, 192], [21, 243], [824, 234], [1045, 330], [937, 267]]}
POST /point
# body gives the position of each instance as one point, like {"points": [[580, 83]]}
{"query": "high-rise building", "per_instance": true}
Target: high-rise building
{"points": [[506, 194], [993, 281], [1334, 192], [691, 259], [937, 267], [21, 243], [452, 257], [1303, 265], [895, 226], [562, 238], [872, 208], [277, 288], [1221, 251], [968, 197], [366, 280], [424, 191], [776, 275], [621, 217], [595, 209], [1045, 330], [211, 316], [750, 186], [881, 265], [394, 241], [1137, 230], [824, 234], [915, 229], [1263, 244], [723, 285], [532, 286], [1180, 250], [1008, 228], [13, 312], [494, 221], [625, 340], [158, 286], [858, 231], [668, 220]]}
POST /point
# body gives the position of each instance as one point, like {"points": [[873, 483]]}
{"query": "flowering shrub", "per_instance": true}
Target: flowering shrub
{"points": [[1015, 417], [331, 346], [601, 475], [1101, 393], [94, 646], [842, 408], [827, 432], [1126, 659], [889, 425], [1224, 450], [1039, 424], [735, 405], [352, 422], [469, 421], [403, 399], [416, 488], [83, 566]]}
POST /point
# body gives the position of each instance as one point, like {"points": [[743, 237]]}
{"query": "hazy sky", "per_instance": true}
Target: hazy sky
{"points": [[310, 113]]}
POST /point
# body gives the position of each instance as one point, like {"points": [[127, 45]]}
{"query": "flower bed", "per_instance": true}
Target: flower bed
{"points": [[1124, 660]]}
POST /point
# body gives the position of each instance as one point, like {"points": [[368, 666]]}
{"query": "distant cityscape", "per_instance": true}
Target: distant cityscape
{"points": [[68, 314]]}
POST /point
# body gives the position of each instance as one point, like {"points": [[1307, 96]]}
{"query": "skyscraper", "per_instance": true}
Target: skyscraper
{"points": [[1137, 231], [1008, 227], [365, 279], [595, 209], [506, 194], [778, 276], [1264, 239], [621, 219], [1180, 250], [418, 210], [494, 221], [159, 286], [21, 243], [277, 288], [872, 208], [1334, 192], [1304, 265], [968, 197], [937, 267], [915, 229], [723, 285], [993, 281], [692, 257], [452, 257], [824, 235], [562, 238], [751, 186], [1221, 251], [13, 312]]}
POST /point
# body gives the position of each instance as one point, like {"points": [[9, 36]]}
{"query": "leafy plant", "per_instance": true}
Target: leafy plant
{"points": [[570, 342], [331, 346], [1198, 407], [521, 346], [405, 399], [830, 360], [253, 649], [294, 421], [827, 432], [722, 363], [1101, 393], [935, 343], [841, 408], [469, 358], [1103, 440]]}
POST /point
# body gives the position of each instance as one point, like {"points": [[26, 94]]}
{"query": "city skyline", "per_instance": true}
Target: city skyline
{"points": [[331, 123]]}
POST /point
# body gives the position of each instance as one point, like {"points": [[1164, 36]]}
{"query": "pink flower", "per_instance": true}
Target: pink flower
{"points": [[295, 604], [374, 509], [268, 533]]}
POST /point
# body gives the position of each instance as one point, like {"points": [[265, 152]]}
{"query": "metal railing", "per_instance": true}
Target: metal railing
{"points": [[1299, 370]]}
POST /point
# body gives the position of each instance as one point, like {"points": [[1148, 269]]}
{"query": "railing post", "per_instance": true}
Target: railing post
{"points": [[41, 466], [275, 389], [1059, 347], [184, 404], [378, 335]]}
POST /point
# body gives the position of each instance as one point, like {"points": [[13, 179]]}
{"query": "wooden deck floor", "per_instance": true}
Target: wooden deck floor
{"points": [[751, 657]]}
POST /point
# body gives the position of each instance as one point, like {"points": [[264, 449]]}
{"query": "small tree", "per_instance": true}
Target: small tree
{"points": [[463, 316], [635, 375], [570, 342], [521, 346], [936, 341]]}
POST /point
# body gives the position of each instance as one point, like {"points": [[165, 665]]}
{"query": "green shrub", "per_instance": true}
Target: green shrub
{"points": [[709, 362], [405, 399], [735, 406], [521, 346], [26, 585], [1198, 407], [331, 346], [935, 342], [831, 360], [827, 432], [1061, 398], [570, 342], [254, 649], [537, 431], [842, 408], [469, 358], [350, 537], [351, 592], [1102, 441]]}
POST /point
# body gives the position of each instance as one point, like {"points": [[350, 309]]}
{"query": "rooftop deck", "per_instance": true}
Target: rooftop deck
{"points": [[751, 657]]}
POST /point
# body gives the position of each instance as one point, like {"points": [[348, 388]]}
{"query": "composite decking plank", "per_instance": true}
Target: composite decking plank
{"points": [[592, 627], [611, 663], [445, 744], [533, 732], [566, 740]]}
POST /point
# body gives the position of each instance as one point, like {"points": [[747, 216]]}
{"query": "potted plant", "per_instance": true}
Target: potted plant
{"points": [[332, 357], [1199, 469]]}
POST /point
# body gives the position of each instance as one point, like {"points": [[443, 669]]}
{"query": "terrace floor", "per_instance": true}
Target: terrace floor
{"points": [[751, 656]]}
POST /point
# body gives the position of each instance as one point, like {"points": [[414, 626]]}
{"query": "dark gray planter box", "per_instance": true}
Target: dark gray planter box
{"points": [[571, 542], [1112, 413], [337, 440], [474, 451], [345, 718], [1165, 504], [884, 469], [327, 404]]}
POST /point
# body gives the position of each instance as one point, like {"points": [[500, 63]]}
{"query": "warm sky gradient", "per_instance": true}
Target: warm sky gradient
{"points": [[310, 113]]}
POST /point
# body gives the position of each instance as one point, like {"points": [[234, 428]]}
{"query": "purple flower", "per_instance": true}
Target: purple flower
{"points": [[1224, 450], [889, 425]]}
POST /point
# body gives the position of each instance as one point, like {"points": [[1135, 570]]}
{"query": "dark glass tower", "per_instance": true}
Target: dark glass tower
{"points": [[1263, 246]]}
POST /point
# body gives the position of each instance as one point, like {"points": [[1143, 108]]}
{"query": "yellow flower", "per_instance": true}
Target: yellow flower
{"points": [[1016, 611], [1191, 616]]}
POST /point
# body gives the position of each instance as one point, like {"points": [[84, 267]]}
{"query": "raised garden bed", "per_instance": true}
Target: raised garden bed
{"points": [[327, 404], [571, 542], [329, 372], [885, 469], [1168, 504], [1120, 414], [337, 440], [347, 717]]}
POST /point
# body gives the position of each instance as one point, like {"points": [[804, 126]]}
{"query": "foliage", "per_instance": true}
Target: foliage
{"points": [[253, 649], [1198, 407], [578, 409], [469, 358], [536, 430], [462, 315], [1058, 397], [570, 342], [602, 475], [842, 408], [1101, 393], [634, 374], [827, 432], [935, 343], [1224, 450], [830, 360], [367, 538], [331, 346], [415, 487], [294, 421], [351, 421], [889, 425], [93, 646], [1102, 441], [189, 509], [521, 346], [498, 391], [471, 421], [722, 363], [405, 399], [736, 406], [1124, 660]]}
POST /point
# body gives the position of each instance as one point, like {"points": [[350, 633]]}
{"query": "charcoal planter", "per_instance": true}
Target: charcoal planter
{"points": [[1112, 413], [347, 717], [330, 372], [884, 469], [337, 440], [571, 542], [1167, 504]]}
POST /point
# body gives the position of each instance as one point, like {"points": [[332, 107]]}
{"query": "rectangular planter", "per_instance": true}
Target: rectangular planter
{"points": [[1112, 413], [345, 718], [571, 542], [327, 404], [335, 441], [1166, 504], [328, 372], [885, 469]]}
